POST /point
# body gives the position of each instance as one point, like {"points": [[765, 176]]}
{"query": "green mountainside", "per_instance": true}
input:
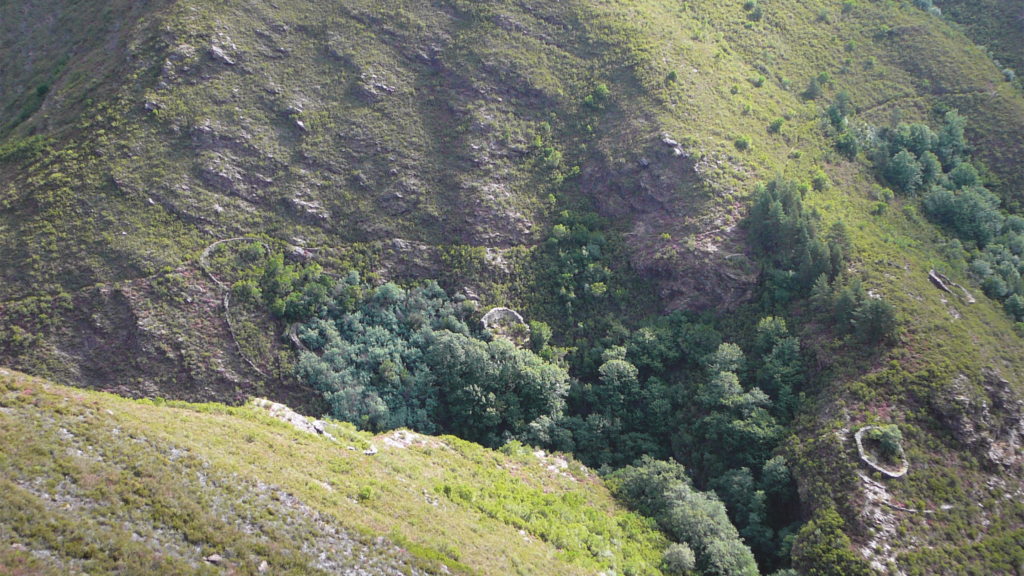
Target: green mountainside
{"points": [[996, 26], [107, 485], [744, 237]]}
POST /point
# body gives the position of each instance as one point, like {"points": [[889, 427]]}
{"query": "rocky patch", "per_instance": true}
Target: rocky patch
{"points": [[403, 439], [990, 424]]}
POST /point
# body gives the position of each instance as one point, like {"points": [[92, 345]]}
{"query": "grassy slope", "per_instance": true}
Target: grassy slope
{"points": [[83, 471], [447, 155], [997, 26], [60, 58], [419, 121]]}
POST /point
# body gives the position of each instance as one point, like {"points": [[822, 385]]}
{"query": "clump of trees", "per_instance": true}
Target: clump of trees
{"points": [[918, 161], [889, 440], [629, 406], [839, 114], [786, 237], [696, 521], [387, 358], [733, 428], [674, 389], [292, 293], [994, 255], [800, 261], [849, 308]]}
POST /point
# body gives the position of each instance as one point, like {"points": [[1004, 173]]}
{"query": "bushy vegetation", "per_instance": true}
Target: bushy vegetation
{"points": [[917, 161], [566, 521], [787, 237], [697, 520], [888, 438], [326, 133], [822, 548], [800, 262], [388, 358]]}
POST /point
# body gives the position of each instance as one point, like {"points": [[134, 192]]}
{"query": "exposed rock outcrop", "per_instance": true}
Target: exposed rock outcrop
{"points": [[684, 232], [942, 283], [286, 414], [992, 424], [217, 53]]}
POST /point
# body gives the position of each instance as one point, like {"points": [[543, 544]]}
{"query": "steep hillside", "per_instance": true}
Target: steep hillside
{"points": [[996, 26], [186, 188], [95, 483], [448, 124]]}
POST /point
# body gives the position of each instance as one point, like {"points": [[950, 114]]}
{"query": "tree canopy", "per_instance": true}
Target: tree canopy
{"points": [[387, 358]]}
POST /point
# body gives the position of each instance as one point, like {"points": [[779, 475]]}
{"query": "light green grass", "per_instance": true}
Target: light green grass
{"points": [[119, 464]]}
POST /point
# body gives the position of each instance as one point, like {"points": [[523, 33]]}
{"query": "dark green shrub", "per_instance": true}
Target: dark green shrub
{"points": [[905, 172], [813, 90], [875, 320], [964, 175], [1015, 307], [889, 439], [822, 549], [820, 180], [931, 168], [917, 138], [246, 291], [952, 143], [847, 144], [540, 335]]}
